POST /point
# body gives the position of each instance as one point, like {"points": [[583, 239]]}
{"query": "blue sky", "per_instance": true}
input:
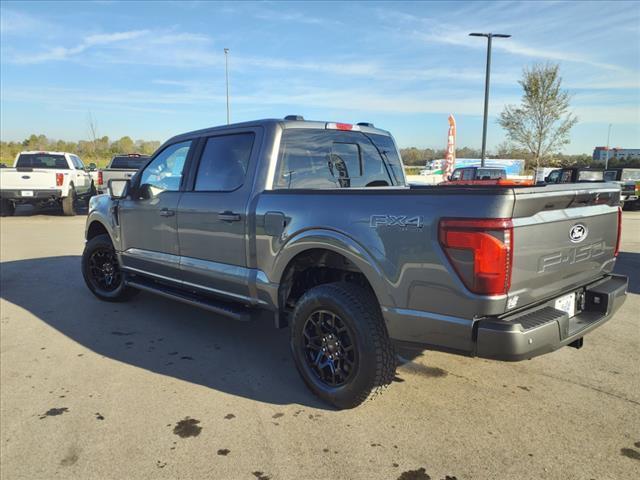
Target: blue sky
{"points": [[151, 70]]}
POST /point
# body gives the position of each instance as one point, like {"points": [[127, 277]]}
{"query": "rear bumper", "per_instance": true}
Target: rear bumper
{"points": [[38, 195], [527, 334]]}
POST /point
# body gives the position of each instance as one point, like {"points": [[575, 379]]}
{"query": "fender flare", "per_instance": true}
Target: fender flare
{"points": [[337, 242]]}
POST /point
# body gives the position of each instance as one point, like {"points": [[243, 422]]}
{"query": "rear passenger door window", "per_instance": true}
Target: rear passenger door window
{"points": [[224, 161]]}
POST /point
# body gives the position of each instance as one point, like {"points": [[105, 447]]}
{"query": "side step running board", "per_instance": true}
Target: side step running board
{"points": [[221, 308]]}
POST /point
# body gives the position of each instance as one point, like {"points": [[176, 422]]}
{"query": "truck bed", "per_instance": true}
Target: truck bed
{"points": [[397, 231]]}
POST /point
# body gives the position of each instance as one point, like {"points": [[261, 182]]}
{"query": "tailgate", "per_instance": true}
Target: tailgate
{"points": [[564, 237], [27, 179], [116, 173]]}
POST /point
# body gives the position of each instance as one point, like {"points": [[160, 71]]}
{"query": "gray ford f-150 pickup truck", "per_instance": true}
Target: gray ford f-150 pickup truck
{"points": [[313, 223]]}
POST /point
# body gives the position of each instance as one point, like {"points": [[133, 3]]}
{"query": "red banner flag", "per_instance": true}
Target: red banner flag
{"points": [[450, 155]]}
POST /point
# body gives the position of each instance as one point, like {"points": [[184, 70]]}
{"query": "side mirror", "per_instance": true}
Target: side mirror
{"points": [[118, 188], [93, 167]]}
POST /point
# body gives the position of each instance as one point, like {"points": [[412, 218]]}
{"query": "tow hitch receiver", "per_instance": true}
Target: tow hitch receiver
{"points": [[577, 343]]}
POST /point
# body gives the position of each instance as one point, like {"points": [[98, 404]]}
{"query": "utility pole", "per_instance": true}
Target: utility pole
{"points": [[489, 36], [606, 162], [226, 74]]}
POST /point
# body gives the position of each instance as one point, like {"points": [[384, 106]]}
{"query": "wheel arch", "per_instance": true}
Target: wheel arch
{"points": [[95, 228], [334, 251]]}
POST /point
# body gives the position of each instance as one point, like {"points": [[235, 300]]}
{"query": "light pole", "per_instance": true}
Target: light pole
{"points": [[226, 75], [486, 87], [606, 162]]}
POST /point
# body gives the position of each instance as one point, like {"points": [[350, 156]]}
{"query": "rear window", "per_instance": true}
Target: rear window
{"points": [[491, 174], [630, 175], [322, 159], [586, 176], [42, 160], [128, 162]]}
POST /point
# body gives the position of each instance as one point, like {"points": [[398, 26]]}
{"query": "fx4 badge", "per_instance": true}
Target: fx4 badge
{"points": [[401, 221]]}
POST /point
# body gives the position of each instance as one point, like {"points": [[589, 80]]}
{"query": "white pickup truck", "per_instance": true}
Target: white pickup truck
{"points": [[45, 178]]}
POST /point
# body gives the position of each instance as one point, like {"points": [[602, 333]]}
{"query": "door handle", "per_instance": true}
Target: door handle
{"points": [[165, 212], [229, 217]]}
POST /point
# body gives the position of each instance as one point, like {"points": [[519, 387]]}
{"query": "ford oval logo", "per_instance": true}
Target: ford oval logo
{"points": [[26, 177], [578, 233]]}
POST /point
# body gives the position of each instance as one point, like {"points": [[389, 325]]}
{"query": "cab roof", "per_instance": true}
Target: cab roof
{"points": [[290, 121]]}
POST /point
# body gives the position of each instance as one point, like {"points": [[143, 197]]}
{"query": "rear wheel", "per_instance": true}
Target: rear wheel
{"points": [[340, 344], [69, 203], [7, 208], [101, 271]]}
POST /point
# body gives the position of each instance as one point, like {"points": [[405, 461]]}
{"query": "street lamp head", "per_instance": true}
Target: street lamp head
{"points": [[498, 35], [226, 50]]}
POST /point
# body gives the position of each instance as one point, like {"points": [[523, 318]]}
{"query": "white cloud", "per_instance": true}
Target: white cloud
{"points": [[17, 23], [295, 17], [64, 53]]}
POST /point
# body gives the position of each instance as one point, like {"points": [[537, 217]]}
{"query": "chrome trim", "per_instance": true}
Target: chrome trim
{"points": [[150, 255], [156, 275], [273, 160]]}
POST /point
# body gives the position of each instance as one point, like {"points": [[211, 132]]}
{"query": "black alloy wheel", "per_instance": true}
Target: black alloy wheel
{"points": [[102, 273], [329, 349], [104, 269]]}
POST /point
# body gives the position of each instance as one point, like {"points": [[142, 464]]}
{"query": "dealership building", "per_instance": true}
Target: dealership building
{"points": [[600, 154]]}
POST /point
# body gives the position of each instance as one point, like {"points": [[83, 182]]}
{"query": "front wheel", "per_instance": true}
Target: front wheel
{"points": [[101, 271], [340, 344]]}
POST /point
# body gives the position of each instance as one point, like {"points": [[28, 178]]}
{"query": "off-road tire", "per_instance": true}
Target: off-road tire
{"points": [[7, 208], [69, 203], [122, 292], [358, 309]]}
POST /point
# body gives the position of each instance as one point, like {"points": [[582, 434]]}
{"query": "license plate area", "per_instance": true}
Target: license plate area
{"points": [[26, 193], [567, 304]]}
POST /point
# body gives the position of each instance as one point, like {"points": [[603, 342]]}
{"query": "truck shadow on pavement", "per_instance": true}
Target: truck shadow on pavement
{"points": [[30, 211], [250, 360], [628, 264]]}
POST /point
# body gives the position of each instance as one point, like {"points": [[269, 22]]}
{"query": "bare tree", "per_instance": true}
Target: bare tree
{"points": [[93, 131], [542, 122]]}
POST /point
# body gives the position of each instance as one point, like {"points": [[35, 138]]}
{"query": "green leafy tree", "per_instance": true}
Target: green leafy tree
{"points": [[542, 122]]}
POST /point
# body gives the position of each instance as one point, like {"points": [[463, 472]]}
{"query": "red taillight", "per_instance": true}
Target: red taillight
{"points": [[100, 179], [480, 251], [344, 126], [617, 250], [59, 179]]}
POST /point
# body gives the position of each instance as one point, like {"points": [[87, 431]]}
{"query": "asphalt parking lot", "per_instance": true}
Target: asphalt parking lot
{"points": [[157, 389]]}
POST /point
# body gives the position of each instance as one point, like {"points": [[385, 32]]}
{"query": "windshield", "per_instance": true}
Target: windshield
{"points": [[42, 160], [128, 162]]}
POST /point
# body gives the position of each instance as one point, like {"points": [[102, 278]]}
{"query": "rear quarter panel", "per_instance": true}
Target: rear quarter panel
{"points": [[391, 234]]}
